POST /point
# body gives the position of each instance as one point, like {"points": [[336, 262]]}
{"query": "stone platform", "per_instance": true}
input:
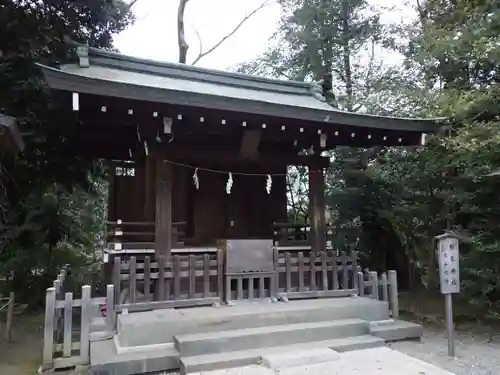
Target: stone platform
{"points": [[383, 361], [209, 338]]}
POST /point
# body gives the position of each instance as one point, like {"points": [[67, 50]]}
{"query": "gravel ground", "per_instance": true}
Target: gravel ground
{"points": [[474, 354]]}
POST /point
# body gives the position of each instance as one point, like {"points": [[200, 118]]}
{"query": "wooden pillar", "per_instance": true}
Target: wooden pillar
{"points": [[163, 212], [111, 215], [149, 188], [317, 233]]}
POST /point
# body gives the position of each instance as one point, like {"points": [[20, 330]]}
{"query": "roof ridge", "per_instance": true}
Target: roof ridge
{"points": [[126, 62]]}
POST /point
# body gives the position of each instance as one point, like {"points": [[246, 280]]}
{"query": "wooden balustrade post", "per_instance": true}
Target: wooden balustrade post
{"points": [[110, 305], [393, 293], [10, 314], [361, 284], [85, 322], [374, 284], [48, 331], [385, 292]]}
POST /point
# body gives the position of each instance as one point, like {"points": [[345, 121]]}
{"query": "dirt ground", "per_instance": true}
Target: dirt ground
{"points": [[22, 356]]}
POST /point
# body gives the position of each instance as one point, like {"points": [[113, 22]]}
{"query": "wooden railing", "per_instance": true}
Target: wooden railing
{"points": [[67, 343], [7, 305], [291, 234], [198, 280], [180, 280], [139, 235], [383, 287], [312, 275]]}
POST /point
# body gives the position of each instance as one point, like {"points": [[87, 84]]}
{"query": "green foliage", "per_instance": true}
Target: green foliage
{"points": [[51, 208], [453, 49], [391, 203], [296, 190], [327, 36]]}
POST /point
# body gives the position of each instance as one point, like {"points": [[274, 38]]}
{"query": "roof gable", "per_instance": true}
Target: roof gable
{"points": [[193, 73], [111, 74]]}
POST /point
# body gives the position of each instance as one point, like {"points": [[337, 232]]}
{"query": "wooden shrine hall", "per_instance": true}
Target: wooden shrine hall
{"points": [[198, 160]]}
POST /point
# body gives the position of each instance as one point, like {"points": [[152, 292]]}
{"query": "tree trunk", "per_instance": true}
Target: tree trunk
{"points": [[181, 34], [432, 277], [347, 55]]}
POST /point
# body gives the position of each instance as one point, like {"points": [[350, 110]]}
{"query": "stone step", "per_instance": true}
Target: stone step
{"points": [[160, 326], [296, 358], [396, 330], [104, 359], [261, 337], [218, 361]]}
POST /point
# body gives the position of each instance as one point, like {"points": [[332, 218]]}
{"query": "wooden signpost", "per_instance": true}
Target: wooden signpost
{"points": [[449, 275]]}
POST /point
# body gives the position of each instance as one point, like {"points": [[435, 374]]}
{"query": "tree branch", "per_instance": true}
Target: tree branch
{"points": [[421, 12], [369, 71], [181, 33], [199, 41], [132, 3], [228, 35]]}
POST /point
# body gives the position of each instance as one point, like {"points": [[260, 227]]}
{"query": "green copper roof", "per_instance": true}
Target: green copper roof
{"points": [[112, 74]]}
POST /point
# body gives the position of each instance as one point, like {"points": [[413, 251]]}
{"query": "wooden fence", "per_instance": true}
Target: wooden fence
{"points": [[179, 281], [139, 235], [66, 341], [292, 234], [195, 280], [190, 280], [312, 275], [383, 288], [7, 304]]}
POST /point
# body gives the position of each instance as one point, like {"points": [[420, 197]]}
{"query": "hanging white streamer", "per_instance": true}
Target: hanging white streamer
{"points": [[146, 150], [229, 183], [269, 184], [322, 140], [196, 181], [167, 125]]}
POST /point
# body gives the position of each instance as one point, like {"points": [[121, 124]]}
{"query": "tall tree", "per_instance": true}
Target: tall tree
{"points": [[48, 213], [318, 37], [452, 49]]}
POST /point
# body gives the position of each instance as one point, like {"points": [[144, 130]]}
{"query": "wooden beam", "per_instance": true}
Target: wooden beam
{"points": [[250, 144], [163, 221]]}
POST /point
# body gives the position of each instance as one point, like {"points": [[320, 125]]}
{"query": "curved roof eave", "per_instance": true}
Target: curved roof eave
{"points": [[308, 107]]}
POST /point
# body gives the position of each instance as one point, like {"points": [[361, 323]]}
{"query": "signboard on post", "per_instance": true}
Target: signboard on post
{"points": [[449, 276], [448, 254]]}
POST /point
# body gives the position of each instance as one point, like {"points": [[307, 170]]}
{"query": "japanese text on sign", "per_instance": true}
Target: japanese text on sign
{"points": [[448, 265]]}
